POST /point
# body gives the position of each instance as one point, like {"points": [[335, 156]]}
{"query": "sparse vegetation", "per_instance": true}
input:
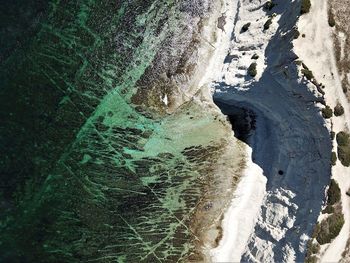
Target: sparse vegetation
{"points": [[268, 24], [328, 210], [255, 56], [343, 148], [269, 5], [333, 193], [338, 110], [307, 73], [245, 27], [311, 259], [329, 228], [252, 69], [327, 112], [344, 155], [333, 158], [312, 248], [331, 20], [343, 138], [332, 135], [344, 88], [296, 34], [305, 7]]}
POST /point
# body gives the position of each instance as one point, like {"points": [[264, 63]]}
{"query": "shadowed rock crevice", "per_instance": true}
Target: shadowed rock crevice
{"points": [[243, 121]]}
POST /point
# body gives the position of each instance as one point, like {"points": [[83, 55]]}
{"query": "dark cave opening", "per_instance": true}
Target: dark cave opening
{"points": [[243, 121]]}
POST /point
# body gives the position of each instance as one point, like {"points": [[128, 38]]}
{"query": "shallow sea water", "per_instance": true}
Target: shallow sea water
{"points": [[88, 175]]}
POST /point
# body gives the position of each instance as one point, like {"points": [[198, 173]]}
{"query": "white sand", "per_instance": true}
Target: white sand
{"points": [[241, 216]]}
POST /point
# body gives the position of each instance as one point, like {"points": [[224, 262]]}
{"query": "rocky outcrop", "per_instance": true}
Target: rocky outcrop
{"points": [[290, 143]]}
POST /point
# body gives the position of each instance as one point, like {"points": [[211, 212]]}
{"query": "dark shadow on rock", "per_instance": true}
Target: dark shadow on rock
{"points": [[241, 119]]}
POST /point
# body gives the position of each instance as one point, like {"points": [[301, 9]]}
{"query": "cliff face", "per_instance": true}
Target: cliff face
{"points": [[289, 139]]}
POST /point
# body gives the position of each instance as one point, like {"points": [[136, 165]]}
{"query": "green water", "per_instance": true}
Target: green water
{"points": [[87, 175]]}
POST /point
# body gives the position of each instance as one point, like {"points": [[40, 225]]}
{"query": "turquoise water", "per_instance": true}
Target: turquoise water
{"points": [[93, 168]]}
